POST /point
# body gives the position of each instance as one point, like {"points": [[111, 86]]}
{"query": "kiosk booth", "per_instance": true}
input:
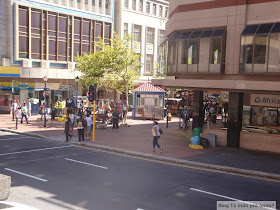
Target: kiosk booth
{"points": [[148, 102]]}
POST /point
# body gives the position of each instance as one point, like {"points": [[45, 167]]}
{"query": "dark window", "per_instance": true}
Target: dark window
{"points": [[276, 28], [261, 42], [206, 34], [86, 27], [264, 29], [107, 34], [250, 30], [52, 22], [63, 24], [36, 45], [23, 17], [36, 20], [98, 30], [195, 34], [218, 33]]}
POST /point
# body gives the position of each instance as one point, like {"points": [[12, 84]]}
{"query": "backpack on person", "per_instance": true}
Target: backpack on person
{"points": [[160, 131]]}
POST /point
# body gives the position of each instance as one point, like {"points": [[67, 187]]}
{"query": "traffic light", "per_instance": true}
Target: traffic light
{"points": [[92, 93]]}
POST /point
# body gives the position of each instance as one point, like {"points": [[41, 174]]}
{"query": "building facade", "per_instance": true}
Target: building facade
{"points": [[42, 38], [229, 46], [145, 20]]}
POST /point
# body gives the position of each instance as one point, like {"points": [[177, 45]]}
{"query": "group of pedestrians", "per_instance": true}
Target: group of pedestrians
{"points": [[84, 126], [22, 110]]}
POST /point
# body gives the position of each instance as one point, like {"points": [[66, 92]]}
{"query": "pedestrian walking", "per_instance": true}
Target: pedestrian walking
{"points": [[115, 119], [156, 136], [43, 111], [89, 124], [29, 107], [67, 128], [53, 113], [80, 127], [24, 113]]}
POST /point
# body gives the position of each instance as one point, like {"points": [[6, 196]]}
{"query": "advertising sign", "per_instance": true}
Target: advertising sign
{"points": [[265, 100]]}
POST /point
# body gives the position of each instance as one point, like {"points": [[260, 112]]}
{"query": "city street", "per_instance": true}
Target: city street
{"points": [[56, 175]]}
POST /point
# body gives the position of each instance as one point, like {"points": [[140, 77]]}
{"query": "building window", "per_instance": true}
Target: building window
{"points": [[260, 48], [51, 35], [148, 5], [154, 9], [100, 3], [161, 11], [192, 51], [23, 32], [215, 50], [107, 33], [125, 28], [166, 12], [126, 4], [149, 64], [93, 2], [134, 4], [161, 36], [141, 5], [150, 35], [137, 33]]}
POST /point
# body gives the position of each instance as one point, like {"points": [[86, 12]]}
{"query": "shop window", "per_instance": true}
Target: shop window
{"points": [[137, 33]]}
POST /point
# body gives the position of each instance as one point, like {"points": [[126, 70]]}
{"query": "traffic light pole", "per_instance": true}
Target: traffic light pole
{"points": [[93, 121]]}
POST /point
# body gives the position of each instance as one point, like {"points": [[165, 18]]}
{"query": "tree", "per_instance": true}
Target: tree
{"points": [[114, 66]]}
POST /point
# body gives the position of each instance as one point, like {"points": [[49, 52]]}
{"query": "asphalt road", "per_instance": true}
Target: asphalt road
{"points": [[56, 175]]}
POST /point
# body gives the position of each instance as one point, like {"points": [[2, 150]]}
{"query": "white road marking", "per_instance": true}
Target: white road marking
{"points": [[86, 163], [226, 197], [35, 150], [34, 177], [23, 137]]}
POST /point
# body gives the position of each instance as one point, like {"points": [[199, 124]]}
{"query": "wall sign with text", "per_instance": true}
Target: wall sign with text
{"points": [[265, 100]]}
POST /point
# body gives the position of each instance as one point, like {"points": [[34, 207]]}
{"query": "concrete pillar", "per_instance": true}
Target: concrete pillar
{"points": [[235, 108], [5, 186], [198, 120]]}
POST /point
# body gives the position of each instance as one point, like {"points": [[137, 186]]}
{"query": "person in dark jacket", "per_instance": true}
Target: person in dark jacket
{"points": [[53, 112], [115, 119], [67, 127]]}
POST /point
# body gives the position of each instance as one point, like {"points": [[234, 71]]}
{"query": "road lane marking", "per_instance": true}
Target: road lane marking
{"points": [[16, 138], [35, 150], [185, 166], [86, 163], [34, 177], [226, 197]]}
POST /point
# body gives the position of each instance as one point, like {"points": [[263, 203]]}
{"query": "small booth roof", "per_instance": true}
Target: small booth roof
{"points": [[149, 87]]}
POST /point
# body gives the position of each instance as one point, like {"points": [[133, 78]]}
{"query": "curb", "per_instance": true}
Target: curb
{"points": [[161, 158]]}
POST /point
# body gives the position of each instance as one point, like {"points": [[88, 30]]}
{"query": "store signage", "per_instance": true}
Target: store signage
{"points": [[150, 49], [63, 87], [265, 100], [18, 86], [137, 47]]}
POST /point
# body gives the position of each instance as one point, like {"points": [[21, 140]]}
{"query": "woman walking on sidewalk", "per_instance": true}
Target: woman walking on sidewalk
{"points": [[156, 136]]}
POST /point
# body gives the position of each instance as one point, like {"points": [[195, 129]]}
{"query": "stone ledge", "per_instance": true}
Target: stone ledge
{"points": [[5, 185]]}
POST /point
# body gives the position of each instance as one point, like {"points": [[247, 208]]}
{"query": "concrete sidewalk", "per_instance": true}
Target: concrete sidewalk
{"points": [[137, 140]]}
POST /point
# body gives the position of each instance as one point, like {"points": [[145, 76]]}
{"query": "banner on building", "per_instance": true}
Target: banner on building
{"points": [[265, 100], [7, 71], [18, 86]]}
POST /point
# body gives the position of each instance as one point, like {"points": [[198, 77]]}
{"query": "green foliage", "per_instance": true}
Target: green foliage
{"points": [[113, 66]]}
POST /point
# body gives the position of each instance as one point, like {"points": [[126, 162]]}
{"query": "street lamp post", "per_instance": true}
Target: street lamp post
{"points": [[13, 92], [45, 89], [77, 82]]}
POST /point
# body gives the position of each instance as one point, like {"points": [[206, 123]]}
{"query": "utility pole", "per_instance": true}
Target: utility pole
{"points": [[13, 92], [94, 110]]}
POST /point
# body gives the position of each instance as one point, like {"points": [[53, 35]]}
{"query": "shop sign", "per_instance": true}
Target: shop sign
{"points": [[150, 49], [63, 87], [18, 86], [7, 71], [265, 100]]}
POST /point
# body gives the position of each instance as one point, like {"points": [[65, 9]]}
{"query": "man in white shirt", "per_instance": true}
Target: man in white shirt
{"points": [[88, 128], [156, 136]]}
